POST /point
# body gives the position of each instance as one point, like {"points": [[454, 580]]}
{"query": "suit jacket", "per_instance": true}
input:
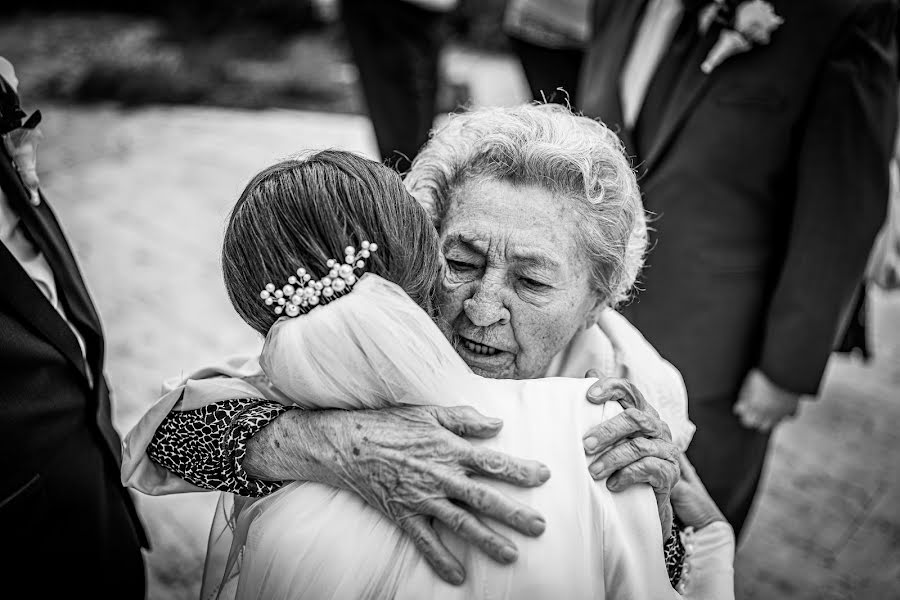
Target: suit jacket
{"points": [[767, 181], [60, 492]]}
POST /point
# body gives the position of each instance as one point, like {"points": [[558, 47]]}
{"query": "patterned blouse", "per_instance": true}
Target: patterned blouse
{"points": [[207, 447]]}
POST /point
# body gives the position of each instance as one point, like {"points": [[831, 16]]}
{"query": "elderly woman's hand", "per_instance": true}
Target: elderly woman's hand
{"points": [[633, 447], [412, 464]]}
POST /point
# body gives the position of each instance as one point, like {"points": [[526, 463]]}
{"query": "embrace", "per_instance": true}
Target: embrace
{"points": [[419, 423]]}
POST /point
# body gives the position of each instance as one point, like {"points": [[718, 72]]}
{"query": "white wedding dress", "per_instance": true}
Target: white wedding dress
{"points": [[375, 348]]}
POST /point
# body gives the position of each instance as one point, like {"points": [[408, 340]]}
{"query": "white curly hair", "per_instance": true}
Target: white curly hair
{"points": [[549, 146]]}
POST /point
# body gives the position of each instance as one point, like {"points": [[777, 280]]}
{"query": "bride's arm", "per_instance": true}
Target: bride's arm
{"points": [[709, 564], [631, 562], [709, 541]]}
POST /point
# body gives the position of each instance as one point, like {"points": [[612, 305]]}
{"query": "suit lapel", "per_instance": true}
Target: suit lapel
{"points": [[43, 226], [24, 297], [79, 306], [692, 85]]}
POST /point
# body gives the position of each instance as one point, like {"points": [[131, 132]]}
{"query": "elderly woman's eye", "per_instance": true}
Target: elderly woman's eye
{"points": [[533, 283], [458, 265]]}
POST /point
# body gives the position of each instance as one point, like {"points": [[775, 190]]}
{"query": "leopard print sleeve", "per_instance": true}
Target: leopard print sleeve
{"points": [[673, 548], [207, 446]]}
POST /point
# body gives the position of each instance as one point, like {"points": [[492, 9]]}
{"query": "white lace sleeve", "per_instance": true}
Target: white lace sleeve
{"points": [[709, 563]]}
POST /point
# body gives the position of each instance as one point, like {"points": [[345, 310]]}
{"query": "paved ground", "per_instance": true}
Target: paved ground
{"points": [[144, 196]]}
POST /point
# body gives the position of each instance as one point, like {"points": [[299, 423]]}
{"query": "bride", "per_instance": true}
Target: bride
{"points": [[320, 280]]}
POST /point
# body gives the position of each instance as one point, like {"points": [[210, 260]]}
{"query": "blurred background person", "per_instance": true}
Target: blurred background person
{"points": [[764, 141], [69, 527], [884, 263], [883, 270], [396, 45], [549, 38]]}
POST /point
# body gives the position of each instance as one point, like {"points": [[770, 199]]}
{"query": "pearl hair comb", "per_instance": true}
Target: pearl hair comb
{"points": [[301, 294]]}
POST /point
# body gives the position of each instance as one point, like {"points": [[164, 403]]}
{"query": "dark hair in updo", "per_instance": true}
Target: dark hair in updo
{"points": [[301, 212]]}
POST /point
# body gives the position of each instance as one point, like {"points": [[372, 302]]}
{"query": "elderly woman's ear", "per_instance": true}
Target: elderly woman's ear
{"points": [[593, 315]]}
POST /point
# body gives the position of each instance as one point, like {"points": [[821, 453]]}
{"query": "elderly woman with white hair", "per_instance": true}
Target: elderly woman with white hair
{"points": [[541, 232]]}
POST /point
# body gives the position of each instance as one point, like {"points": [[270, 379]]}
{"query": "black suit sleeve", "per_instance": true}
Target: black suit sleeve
{"points": [[840, 200]]}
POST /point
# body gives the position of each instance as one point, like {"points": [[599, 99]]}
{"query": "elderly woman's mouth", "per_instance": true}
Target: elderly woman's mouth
{"points": [[486, 361], [480, 348]]}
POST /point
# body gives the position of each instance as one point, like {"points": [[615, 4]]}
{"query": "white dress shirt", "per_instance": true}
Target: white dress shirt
{"points": [[654, 34]]}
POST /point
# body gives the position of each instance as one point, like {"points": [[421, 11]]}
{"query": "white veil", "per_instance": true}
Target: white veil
{"points": [[372, 348]]}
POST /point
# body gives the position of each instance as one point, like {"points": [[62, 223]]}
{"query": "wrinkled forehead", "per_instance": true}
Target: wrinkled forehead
{"points": [[526, 223], [507, 245]]}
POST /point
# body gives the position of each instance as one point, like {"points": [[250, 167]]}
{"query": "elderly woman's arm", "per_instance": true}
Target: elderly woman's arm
{"points": [[207, 446], [251, 447], [411, 463]]}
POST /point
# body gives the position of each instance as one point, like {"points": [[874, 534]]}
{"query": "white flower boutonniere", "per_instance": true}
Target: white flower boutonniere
{"points": [[22, 146], [750, 23]]}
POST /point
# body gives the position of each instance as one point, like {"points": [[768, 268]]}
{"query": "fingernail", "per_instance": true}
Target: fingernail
{"points": [[591, 443], [457, 577], [495, 422], [613, 484], [596, 469], [537, 526], [543, 473], [509, 554]]}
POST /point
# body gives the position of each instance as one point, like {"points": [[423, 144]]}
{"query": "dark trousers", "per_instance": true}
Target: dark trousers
{"points": [[396, 47], [729, 458], [549, 69]]}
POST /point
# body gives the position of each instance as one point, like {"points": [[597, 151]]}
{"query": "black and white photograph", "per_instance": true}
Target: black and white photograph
{"points": [[450, 299]]}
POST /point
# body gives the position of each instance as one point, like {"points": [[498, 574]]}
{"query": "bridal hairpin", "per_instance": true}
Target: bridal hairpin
{"points": [[301, 294]]}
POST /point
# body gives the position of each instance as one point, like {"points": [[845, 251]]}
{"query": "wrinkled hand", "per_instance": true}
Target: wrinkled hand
{"points": [[762, 404], [692, 503], [412, 464], [633, 447]]}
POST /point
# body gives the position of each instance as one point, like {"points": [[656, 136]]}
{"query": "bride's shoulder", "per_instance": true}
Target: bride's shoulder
{"points": [[567, 395]]}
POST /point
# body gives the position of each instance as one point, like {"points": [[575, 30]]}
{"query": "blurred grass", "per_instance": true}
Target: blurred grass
{"points": [[138, 60], [261, 54]]}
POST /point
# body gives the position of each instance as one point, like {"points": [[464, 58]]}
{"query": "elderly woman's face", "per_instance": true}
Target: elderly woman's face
{"points": [[517, 285]]}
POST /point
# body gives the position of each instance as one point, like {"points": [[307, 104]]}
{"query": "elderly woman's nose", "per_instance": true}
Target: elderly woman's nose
{"points": [[484, 310]]}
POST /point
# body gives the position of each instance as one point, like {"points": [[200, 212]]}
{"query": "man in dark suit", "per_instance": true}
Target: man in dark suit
{"points": [[69, 528], [768, 179]]}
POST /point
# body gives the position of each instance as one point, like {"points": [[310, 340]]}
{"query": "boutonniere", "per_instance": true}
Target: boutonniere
{"points": [[20, 134], [745, 25], [22, 146]]}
